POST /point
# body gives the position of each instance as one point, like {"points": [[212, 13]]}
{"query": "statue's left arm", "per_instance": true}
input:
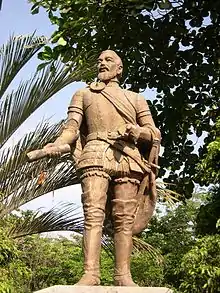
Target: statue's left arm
{"points": [[145, 130], [148, 132]]}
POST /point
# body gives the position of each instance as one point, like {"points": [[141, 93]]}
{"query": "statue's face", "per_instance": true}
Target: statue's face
{"points": [[109, 66]]}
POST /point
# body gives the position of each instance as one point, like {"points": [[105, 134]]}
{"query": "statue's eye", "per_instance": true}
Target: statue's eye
{"points": [[109, 59]]}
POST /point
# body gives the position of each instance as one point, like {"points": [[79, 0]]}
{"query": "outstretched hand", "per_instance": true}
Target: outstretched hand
{"points": [[49, 150]]}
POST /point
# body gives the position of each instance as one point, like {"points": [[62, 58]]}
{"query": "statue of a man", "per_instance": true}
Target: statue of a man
{"points": [[116, 125]]}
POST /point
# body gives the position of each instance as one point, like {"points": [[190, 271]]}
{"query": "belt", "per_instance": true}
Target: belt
{"points": [[105, 135]]}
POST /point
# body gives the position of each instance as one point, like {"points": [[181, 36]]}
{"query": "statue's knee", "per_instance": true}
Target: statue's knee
{"points": [[123, 213]]}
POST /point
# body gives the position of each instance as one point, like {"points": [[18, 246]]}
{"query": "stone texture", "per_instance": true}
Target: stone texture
{"points": [[104, 289]]}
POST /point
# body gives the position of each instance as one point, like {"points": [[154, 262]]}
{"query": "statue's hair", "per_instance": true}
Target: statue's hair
{"points": [[119, 61]]}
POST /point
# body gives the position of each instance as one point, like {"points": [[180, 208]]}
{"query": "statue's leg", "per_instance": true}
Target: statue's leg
{"points": [[94, 187], [123, 213]]}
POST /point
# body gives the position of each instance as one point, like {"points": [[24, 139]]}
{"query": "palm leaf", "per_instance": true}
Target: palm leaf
{"points": [[14, 157], [17, 105], [14, 55], [24, 191], [30, 95], [167, 195], [62, 218], [19, 179], [140, 245]]}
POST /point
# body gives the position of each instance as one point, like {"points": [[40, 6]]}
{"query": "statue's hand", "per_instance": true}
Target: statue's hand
{"points": [[52, 149], [132, 132]]}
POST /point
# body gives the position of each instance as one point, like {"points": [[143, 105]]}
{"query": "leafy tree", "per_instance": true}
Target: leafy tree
{"points": [[146, 271], [172, 231], [51, 261], [45, 261], [200, 267], [209, 172], [165, 44], [209, 167], [209, 215], [191, 264], [32, 263], [14, 274]]}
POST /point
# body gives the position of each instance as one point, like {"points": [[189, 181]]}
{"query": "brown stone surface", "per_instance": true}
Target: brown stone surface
{"points": [[103, 289]]}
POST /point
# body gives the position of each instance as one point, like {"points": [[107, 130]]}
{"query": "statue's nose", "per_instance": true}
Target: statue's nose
{"points": [[103, 63]]}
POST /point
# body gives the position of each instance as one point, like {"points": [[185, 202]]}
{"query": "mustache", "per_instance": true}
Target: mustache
{"points": [[103, 68]]}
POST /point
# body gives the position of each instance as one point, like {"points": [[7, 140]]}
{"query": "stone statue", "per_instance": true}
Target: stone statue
{"points": [[115, 144]]}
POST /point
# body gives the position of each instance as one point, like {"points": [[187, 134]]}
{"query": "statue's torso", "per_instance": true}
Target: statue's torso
{"points": [[101, 116]]}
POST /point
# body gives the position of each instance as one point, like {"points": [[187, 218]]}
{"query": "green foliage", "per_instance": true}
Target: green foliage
{"points": [[168, 45], [209, 167], [173, 232], [14, 274], [200, 267], [31, 263], [208, 216], [209, 173], [146, 271], [7, 249], [51, 261]]}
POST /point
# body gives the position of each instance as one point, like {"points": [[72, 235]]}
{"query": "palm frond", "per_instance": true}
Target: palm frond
{"points": [[22, 192], [14, 157], [14, 55], [18, 105], [65, 217], [140, 245], [19, 178], [167, 195]]}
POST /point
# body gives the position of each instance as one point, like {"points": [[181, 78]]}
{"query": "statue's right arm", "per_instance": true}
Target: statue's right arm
{"points": [[70, 130]]}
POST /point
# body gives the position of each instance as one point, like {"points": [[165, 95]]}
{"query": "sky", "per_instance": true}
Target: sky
{"points": [[15, 18]]}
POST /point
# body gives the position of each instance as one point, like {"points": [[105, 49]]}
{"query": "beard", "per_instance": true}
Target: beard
{"points": [[106, 75]]}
